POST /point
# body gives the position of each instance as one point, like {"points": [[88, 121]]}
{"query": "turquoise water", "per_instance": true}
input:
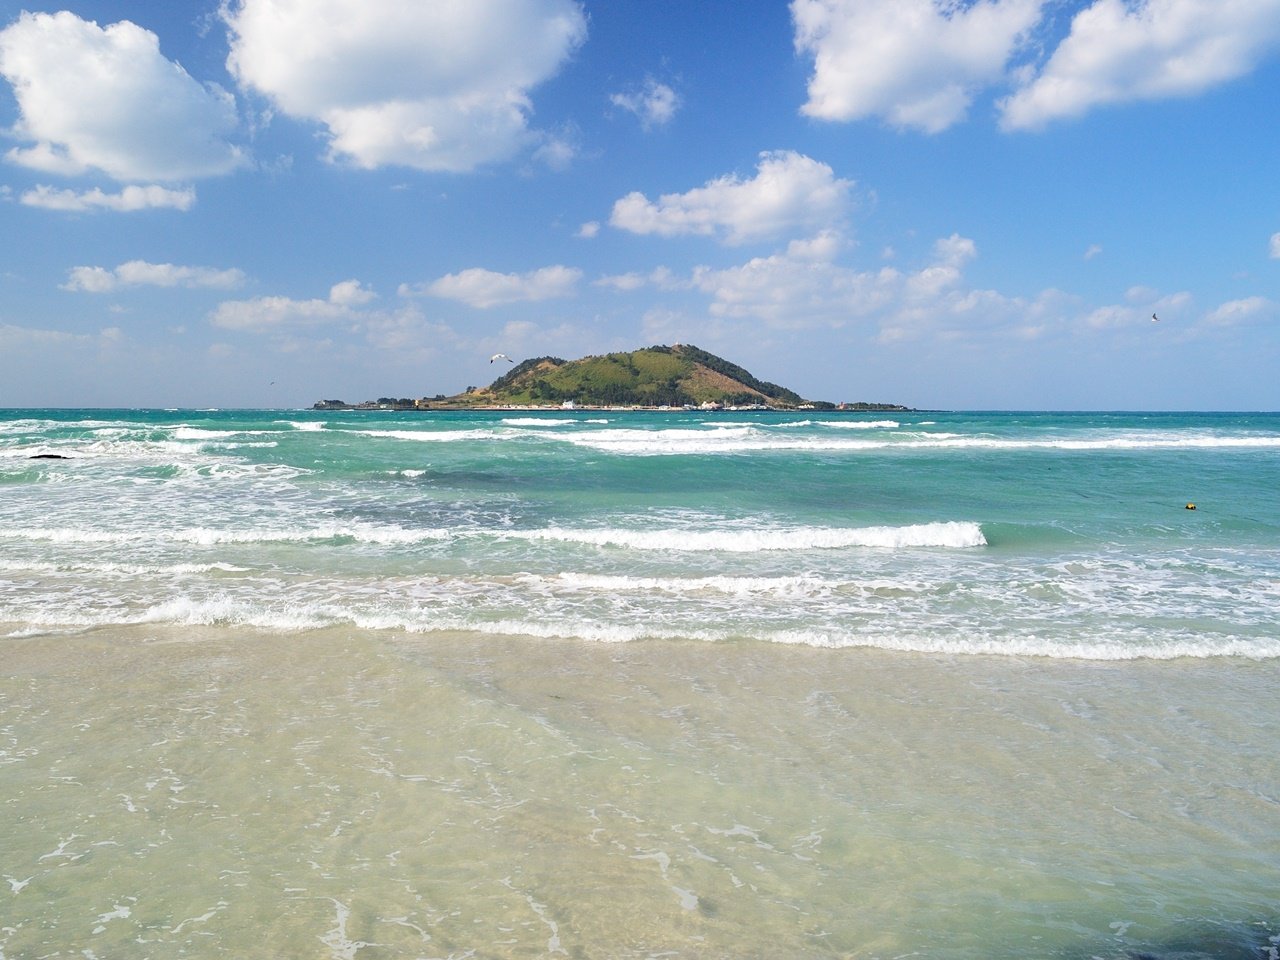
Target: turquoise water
{"points": [[1056, 535], [621, 684]]}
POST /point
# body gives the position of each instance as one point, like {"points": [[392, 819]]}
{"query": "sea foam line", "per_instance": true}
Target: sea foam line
{"points": [[546, 421], [950, 534], [963, 642], [118, 569], [958, 534], [726, 440]]}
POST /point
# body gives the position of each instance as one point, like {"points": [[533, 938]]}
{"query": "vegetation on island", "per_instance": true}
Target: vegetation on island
{"points": [[659, 376], [654, 377]]}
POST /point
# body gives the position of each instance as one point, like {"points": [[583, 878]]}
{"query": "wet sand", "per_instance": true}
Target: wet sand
{"points": [[175, 792]]}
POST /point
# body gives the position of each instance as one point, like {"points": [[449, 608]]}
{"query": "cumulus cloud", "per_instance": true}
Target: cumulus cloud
{"points": [[106, 99], [654, 103], [436, 86], [789, 193], [1239, 312], [915, 63], [802, 286], [1118, 52], [1275, 246], [268, 314], [482, 288], [141, 273], [350, 293], [129, 200], [807, 285]]}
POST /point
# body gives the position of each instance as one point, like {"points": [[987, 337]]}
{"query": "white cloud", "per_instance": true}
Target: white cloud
{"points": [[1119, 52], [624, 282], [1140, 294], [350, 293], [1239, 312], [1140, 303], [660, 278], [592, 227], [482, 288], [408, 335], [435, 86], [100, 99], [916, 63], [807, 286], [789, 193], [129, 200], [268, 314], [15, 338], [801, 287], [1094, 250], [1112, 315], [558, 151], [1275, 246], [141, 273], [655, 103], [524, 338]]}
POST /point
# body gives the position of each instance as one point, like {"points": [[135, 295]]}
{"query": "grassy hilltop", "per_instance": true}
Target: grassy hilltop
{"points": [[677, 376], [652, 377]]}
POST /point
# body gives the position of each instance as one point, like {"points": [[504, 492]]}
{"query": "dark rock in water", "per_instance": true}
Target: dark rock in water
{"points": [[47, 456], [1212, 941]]}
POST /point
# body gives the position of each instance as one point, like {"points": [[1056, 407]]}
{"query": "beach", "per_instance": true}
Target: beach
{"points": [[218, 793], [364, 689]]}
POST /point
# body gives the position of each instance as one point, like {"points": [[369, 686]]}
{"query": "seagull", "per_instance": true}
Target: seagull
{"points": [[501, 356], [1154, 318]]}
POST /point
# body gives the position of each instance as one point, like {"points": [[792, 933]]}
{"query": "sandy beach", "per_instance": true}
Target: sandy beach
{"points": [[213, 792]]}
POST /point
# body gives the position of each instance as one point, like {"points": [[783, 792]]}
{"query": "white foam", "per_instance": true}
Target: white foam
{"points": [[207, 536], [227, 611], [796, 587], [341, 947], [953, 534], [586, 608], [1117, 649], [723, 439], [860, 424], [540, 422], [717, 440], [198, 433], [119, 569], [426, 436]]}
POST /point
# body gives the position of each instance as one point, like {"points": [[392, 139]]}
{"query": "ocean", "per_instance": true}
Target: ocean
{"points": [[619, 684]]}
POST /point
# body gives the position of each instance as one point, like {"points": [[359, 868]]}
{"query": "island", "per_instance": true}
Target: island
{"points": [[680, 376]]}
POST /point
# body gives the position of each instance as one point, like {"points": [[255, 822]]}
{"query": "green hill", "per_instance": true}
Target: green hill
{"points": [[656, 376]]}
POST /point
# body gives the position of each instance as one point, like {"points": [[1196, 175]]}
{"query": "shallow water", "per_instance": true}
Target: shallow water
{"points": [[217, 792]]}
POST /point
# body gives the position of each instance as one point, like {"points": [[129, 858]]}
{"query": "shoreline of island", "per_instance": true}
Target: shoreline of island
{"points": [[430, 405], [660, 379]]}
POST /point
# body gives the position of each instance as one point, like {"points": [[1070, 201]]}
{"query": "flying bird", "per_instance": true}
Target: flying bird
{"points": [[1154, 318], [501, 356]]}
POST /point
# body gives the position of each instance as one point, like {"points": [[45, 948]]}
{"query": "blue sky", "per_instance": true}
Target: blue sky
{"points": [[942, 203]]}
